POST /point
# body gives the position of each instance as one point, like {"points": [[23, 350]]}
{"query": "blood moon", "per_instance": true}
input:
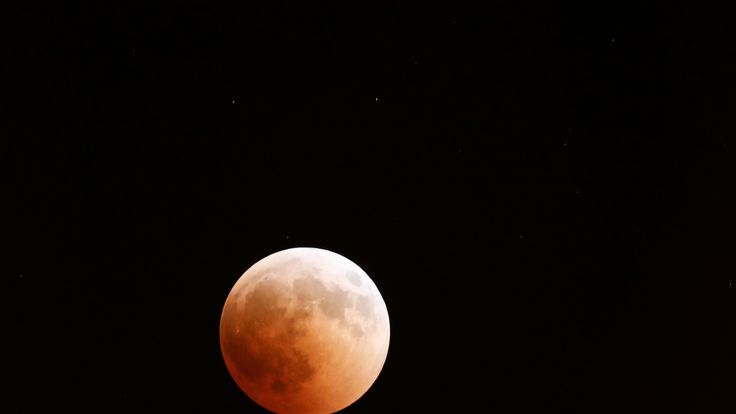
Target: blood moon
{"points": [[304, 330]]}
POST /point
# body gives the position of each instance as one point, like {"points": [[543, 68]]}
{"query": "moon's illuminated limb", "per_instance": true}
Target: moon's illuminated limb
{"points": [[304, 331]]}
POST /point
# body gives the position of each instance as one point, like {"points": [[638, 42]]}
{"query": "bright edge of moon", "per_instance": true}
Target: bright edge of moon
{"points": [[304, 331]]}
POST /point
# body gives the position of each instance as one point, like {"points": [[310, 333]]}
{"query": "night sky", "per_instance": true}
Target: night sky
{"points": [[544, 193]]}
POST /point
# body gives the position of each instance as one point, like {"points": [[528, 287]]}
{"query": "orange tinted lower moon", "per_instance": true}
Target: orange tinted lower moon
{"points": [[304, 331]]}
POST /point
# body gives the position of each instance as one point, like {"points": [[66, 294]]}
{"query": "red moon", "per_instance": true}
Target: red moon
{"points": [[304, 331]]}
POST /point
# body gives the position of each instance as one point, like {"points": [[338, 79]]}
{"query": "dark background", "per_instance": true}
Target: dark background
{"points": [[543, 193]]}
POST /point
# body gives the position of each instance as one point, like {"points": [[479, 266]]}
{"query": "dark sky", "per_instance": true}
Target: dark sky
{"points": [[543, 193]]}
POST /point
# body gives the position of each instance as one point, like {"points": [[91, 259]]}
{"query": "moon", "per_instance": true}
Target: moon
{"points": [[304, 331]]}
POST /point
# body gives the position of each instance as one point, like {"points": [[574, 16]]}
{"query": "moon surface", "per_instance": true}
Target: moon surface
{"points": [[304, 331]]}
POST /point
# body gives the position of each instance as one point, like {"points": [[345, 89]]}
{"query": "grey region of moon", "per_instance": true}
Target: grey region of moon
{"points": [[305, 331]]}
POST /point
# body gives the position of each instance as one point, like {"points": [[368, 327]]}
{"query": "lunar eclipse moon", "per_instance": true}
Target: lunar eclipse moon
{"points": [[304, 331]]}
